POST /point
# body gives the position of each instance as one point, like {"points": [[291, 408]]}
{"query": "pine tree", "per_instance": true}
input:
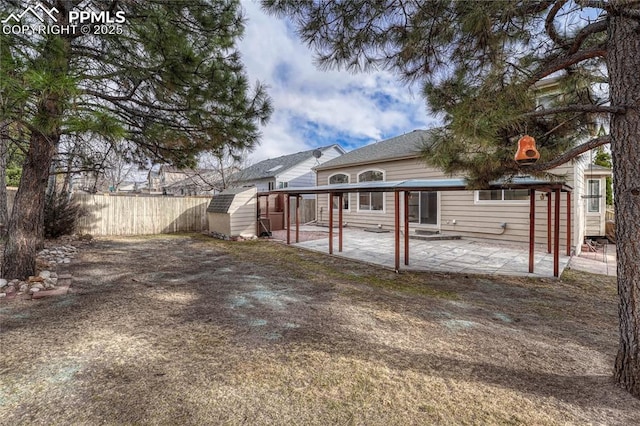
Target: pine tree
{"points": [[168, 81], [481, 64]]}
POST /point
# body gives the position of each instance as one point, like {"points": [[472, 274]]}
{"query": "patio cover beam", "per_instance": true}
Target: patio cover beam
{"points": [[287, 207], [331, 195], [532, 228], [556, 236], [568, 224], [339, 221], [297, 218], [406, 227]]}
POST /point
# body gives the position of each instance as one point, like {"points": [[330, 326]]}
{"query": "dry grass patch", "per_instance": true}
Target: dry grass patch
{"points": [[189, 330]]}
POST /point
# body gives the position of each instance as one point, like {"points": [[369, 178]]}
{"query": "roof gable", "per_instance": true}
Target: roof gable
{"points": [[275, 166]]}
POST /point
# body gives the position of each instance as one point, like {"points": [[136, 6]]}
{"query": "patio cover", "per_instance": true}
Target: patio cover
{"points": [[406, 186]]}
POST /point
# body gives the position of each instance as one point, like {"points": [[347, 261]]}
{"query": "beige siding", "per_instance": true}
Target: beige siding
{"points": [[219, 222], [472, 219], [579, 204], [594, 225], [243, 214]]}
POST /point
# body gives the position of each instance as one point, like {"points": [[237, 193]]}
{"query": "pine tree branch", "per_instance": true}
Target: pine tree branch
{"points": [[568, 155]]}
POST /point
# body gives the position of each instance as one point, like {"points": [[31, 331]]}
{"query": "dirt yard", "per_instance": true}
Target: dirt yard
{"points": [[190, 330]]}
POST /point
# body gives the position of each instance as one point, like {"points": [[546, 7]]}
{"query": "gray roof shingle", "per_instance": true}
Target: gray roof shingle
{"points": [[401, 146], [220, 203], [273, 166]]}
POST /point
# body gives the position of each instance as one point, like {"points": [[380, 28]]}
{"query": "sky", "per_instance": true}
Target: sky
{"points": [[315, 108]]}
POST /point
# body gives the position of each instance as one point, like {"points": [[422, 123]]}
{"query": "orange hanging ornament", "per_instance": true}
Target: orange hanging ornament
{"points": [[527, 152]]}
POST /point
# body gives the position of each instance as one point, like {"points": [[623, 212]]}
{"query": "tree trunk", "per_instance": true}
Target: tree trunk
{"points": [[4, 146], [623, 63], [23, 230]]}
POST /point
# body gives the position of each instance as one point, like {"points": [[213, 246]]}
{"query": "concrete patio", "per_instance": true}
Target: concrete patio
{"points": [[461, 256]]}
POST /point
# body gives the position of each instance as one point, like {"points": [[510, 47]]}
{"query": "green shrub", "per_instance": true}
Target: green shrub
{"points": [[60, 215]]}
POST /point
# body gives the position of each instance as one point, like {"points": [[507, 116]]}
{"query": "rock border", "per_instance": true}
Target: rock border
{"points": [[48, 282]]}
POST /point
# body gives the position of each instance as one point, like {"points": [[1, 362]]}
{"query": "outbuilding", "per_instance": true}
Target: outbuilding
{"points": [[233, 214]]}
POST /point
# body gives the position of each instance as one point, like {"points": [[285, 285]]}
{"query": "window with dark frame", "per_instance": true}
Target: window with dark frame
{"points": [[593, 196], [503, 195], [337, 179], [371, 201], [423, 207]]}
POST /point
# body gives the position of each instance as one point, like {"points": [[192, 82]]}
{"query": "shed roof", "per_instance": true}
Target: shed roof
{"points": [[596, 169], [274, 166], [220, 203], [407, 145]]}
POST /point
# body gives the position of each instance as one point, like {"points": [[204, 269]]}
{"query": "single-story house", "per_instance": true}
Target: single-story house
{"points": [[500, 214]]}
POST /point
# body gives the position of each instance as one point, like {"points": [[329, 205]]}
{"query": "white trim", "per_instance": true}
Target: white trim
{"points": [[384, 197], [588, 192], [347, 195], [503, 202]]}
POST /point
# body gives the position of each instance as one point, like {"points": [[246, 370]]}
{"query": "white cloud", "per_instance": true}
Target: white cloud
{"points": [[313, 107]]}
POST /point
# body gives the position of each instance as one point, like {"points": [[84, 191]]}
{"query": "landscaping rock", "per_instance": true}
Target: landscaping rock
{"points": [[45, 274], [3, 295], [34, 290], [39, 286], [24, 287], [3, 283]]}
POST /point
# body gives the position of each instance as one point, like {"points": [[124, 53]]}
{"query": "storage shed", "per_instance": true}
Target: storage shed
{"points": [[232, 213]]}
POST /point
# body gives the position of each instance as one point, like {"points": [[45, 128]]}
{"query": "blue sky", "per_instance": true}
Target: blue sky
{"points": [[315, 108]]}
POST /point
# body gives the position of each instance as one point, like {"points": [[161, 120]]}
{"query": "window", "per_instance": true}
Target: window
{"points": [[423, 207], [593, 196], [282, 185], [336, 179], [502, 195], [373, 201], [272, 186]]}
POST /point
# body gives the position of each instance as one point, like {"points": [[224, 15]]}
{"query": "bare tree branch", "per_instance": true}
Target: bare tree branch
{"points": [[594, 28], [550, 27], [561, 62]]}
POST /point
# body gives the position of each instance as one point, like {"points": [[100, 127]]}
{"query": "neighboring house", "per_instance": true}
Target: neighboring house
{"points": [[170, 180], [131, 186], [195, 184], [287, 171], [495, 214]]}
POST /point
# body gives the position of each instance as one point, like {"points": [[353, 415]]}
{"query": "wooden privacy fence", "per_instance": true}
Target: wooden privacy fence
{"points": [[307, 210], [108, 214], [141, 215]]}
